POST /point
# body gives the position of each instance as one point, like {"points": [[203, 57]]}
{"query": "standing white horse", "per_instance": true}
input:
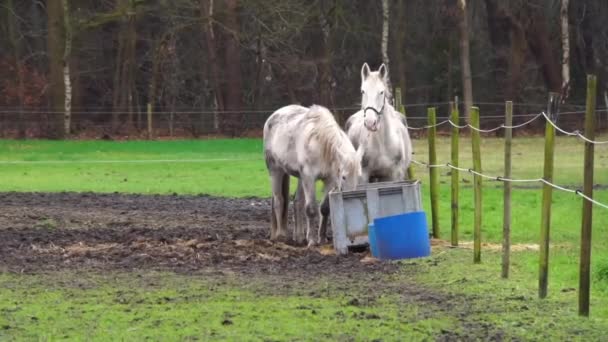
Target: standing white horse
{"points": [[307, 143], [379, 130]]}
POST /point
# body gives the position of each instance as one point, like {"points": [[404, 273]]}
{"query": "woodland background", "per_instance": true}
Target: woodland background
{"points": [[96, 68]]}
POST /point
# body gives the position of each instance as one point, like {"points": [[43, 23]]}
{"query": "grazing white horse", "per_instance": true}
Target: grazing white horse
{"points": [[307, 143], [380, 131]]}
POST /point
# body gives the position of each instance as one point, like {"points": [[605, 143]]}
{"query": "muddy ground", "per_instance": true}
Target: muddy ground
{"points": [[42, 232]]}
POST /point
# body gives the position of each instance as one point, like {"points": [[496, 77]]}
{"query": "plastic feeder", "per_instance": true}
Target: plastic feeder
{"points": [[400, 236], [371, 231]]}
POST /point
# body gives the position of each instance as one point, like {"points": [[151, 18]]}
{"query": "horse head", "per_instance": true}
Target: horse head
{"points": [[374, 93], [350, 170]]}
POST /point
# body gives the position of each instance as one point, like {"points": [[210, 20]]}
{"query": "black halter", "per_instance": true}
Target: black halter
{"points": [[378, 112]]}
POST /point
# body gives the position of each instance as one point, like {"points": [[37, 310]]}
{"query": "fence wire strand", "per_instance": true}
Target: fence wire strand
{"points": [[428, 126], [511, 180], [576, 133], [490, 130], [573, 133]]}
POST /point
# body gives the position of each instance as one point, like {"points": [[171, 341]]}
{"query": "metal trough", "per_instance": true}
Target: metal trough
{"points": [[351, 211]]}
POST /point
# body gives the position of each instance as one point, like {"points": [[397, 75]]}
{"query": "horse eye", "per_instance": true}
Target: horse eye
{"points": [[382, 93], [362, 91]]}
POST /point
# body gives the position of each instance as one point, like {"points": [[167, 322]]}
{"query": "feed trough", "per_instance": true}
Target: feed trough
{"points": [[402, 236], [352, 211]]}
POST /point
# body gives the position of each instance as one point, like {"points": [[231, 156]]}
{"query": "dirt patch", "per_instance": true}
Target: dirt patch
{"points": [[42, 231]]}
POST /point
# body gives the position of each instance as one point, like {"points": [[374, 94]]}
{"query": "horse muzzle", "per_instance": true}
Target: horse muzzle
{"points": [[371, 126]]}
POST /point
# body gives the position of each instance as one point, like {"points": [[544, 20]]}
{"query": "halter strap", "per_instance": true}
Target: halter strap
{"points": [[378, 112]]}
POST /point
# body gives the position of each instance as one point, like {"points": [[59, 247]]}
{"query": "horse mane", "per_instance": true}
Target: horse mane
{"points": [[328, 133]]}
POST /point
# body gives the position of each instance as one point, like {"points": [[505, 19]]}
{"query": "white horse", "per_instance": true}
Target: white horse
{"points": [[307, 143], [380, 131]]}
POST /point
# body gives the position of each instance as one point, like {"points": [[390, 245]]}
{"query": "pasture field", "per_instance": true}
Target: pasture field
{"points": [[97, 244]]}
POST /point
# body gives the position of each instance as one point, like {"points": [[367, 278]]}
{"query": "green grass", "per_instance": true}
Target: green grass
{"points": [[171, 307], [513, 304], [229, 167], [241, 172]]}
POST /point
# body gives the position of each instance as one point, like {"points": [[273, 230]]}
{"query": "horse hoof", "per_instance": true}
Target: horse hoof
{"points": [[311, 244], [299, 242], [280, 238]]}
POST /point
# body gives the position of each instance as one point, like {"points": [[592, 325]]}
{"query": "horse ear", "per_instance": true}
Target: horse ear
{"points": [[383, 71], [364, 71]]}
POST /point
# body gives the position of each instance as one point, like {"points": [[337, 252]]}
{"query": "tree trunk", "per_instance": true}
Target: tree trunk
{"points": [[261, 62], [539, 42], [207, 16], [55, 46], [384, 44], [156, 62], [67, 116], [173, 84], [324, 55], [450, 80], [400, 32], [124, 77], [565, 50], [117, 90], [510, 45], [131, 62], [465, 61], [606, 106], [18, 67], [234, 84]]}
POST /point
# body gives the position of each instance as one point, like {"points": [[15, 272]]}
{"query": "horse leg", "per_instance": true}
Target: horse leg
{"points": [[277, 180], [311, 209], [324, 219], [273, 219], [299, 233], [282, 228]]}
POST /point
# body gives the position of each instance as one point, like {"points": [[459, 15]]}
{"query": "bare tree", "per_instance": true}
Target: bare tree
{"points": [[54, 11], [67, 115], [324, 56], [565, 49], [508, 38], [15, 43], [384, 44], [465, 60], [213, 65], [260, 54], [234, 83], [124, 73], [400, 44]]}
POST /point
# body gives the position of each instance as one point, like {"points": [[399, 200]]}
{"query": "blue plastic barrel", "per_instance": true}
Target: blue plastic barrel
{"points": [[371, 234], [401, 236]]}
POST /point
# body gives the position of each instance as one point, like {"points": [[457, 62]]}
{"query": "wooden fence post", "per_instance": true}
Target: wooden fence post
{"points": [[455, 173], [552, 110], [477, 185], [506, 227], [149, 113], [585, 261], [434, 181]]}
